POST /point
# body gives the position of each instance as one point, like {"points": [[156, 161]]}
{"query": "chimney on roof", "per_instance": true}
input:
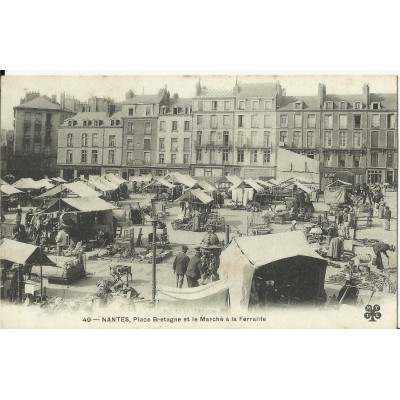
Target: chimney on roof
{"points": [[321, 94], [365, 98], [175, 96], [31, 95], [129, 94], [54, 98], [198, 88]]}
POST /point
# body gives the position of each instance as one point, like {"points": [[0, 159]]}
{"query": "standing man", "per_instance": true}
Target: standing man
{"points": [[388, 217], [61, 240], [180, 266], [193, 273], [380, 248]]}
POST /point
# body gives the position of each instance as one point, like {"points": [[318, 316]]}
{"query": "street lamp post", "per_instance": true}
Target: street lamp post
{"points": [[154, 281]]}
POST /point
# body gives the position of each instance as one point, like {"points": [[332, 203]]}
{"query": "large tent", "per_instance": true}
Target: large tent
{"points": [[292, 165], [22, 253], [197, 194], [286, 253], [74, 189], [45, 183], [185, 180]]}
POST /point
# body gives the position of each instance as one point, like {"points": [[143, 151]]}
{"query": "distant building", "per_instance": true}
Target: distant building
{"points": [[174, 145], [7, 144], [140, 128], [90, 143], [36, 122]]}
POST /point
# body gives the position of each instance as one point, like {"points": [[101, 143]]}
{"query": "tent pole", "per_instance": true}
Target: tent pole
{"points": [[154, 284], [41, 273]]}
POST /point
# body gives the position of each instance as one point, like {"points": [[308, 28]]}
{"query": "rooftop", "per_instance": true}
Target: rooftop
{"points": [[145, 99], [257, 89], [42, 102], [215, 93]]}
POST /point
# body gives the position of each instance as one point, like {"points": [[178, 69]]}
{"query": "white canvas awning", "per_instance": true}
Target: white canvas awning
{"points": [[8, 190], [78, 189], [22, 253], [198, 194]]}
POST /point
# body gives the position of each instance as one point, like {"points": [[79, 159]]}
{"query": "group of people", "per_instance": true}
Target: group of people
{"points": [[204, 264]]}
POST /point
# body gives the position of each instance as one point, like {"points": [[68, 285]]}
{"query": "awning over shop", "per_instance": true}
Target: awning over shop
{"points": [[22, 253], [245, 255], [8, 190], [251, 182], [160, 182], [291, 183], [58, 179], [76, 189], [185, 180], [82, 204], [115, 179], [264, 183], [198, 194], [28, 184], [339, 183], [45, 183], [206, 186]]}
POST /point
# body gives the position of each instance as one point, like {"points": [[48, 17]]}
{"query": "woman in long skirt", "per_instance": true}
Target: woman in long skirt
{"points": [[381, 210], [335, 248]]}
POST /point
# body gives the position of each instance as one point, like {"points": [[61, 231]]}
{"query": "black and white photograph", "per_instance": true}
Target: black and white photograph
{"points": [[199, 201]]}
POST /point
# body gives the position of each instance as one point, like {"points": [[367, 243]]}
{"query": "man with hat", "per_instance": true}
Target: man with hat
{"points": [[380, 248], [180, 266], [193, 273]]}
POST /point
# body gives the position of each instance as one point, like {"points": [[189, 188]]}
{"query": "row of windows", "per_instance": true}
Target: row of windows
{"points": [[344, 161], [174, 126], [94, 156], [38, 117], [147, 128], [161, 158], [175, 110], [85, 140], [357, 105], [174, 144], [343, 142], [226, 105]]}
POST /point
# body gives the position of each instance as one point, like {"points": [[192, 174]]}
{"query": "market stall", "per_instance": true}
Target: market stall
{"points": [[291, 272], [85, 217], [196, 212], [9, 197], [17, 262], [161, 187]]}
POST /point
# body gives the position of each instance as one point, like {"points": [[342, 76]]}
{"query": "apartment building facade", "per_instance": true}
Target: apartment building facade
{"points": [[36, 122], [174, 140], [359, 135], [90, 143], [213, 132], [140, 130]]}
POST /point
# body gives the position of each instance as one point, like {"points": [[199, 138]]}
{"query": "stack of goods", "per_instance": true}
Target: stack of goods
{"points": [[253, 207]]}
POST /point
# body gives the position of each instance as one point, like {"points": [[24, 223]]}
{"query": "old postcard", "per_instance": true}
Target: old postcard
{"points": [[208, 201]]}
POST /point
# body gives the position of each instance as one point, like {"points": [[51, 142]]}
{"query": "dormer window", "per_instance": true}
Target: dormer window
{"points": [[131, 112], [74, 123], [163, 110], [84, 123], [343, 105], [175, 110], [112, 122], [357, 105], [329, 105], [89, 123], [95, 123], [376, 105], [101, 123], [187, 110], [298, 105], [117, 122], [70, 123]]}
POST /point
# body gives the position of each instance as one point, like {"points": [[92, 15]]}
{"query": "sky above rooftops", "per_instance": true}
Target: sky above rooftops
{"points": [[84, 87]]}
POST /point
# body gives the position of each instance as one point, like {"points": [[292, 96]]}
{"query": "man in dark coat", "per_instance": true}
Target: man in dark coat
{"points": [[180, 266], [193, 273], [380, 248]]}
